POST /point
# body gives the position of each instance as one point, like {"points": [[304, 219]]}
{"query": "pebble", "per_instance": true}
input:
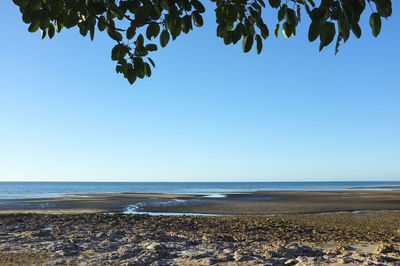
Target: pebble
{"points": [[136, 240], [291, 262]]}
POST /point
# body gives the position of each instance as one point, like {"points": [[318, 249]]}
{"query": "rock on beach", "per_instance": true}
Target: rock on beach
{"points": [[368, 239]]}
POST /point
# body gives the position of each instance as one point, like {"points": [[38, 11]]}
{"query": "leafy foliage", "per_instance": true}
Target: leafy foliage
{"points": [[136, 24]]}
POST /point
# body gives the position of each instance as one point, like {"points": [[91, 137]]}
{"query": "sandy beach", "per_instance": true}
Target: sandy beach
{"points": [[260, 228]]}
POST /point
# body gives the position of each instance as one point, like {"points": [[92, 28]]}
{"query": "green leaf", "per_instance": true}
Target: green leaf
{"points": [[34, 26], [291, 16], [186, 24], [43, 32], [18, 2], [175, 28], [139, 41], [327, 34], [151, 47], [237, 33], [131, 76], [164, 4], [101, 24], [344, 28], [114, 34], [287, 30], [138, 63], [384, 7], [228, 37], [282, 12], [259, 44], [139, 67], [247, 43], [262, 3], [317, 14], [130, 32], [276, 30], [118, 68], [59, 26], [197, 19], [44, 22], [264, 31], [355, 28], [151, 62], [311, 3], [307, 8], [71, 19], [375, 23], [83, 30], [36, 4], [152, 30], [187, 6], [27, 17], [198, 6], [147, 69], [298, 12], [51, 30], [91, 31], [117, 52], [339, 38], [313, 31], [164, 38], [274, 3]]}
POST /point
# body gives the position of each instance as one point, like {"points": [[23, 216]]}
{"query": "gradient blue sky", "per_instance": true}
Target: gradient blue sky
{"points": [[208, 113]]}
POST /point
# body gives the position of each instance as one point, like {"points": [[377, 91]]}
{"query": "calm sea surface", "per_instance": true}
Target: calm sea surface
{"points": [[15, 190]]}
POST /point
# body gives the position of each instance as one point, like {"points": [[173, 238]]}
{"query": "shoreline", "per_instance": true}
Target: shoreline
{"points": [[249, 203]]}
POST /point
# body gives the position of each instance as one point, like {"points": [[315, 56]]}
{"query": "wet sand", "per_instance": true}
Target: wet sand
{"points": [[83, 203], [294, 202], [378, 187], [255, 203]]}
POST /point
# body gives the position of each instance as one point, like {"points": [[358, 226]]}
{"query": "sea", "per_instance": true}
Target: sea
{"points": [[26, 190]]}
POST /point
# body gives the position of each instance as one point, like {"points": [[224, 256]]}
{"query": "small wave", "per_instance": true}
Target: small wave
{"points": [[134, 208], [135, 211], [174, 213], [215, 195]]}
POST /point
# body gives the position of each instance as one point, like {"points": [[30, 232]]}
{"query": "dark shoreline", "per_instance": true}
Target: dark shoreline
{"points": [[377, 187], [254, 203]]}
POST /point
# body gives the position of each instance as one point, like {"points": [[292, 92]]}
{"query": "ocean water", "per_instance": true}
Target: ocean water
{"points": [[19, 190]]}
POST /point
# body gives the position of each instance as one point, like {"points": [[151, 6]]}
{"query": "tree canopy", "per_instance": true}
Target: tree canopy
{"points": [[136, 24]]}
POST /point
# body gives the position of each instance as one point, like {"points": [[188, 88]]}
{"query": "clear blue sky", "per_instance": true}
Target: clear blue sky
{"points": [[208, 113]]}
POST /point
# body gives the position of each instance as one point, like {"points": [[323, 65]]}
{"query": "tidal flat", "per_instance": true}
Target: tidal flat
{"points": [[249, 203], [259, 228]]}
